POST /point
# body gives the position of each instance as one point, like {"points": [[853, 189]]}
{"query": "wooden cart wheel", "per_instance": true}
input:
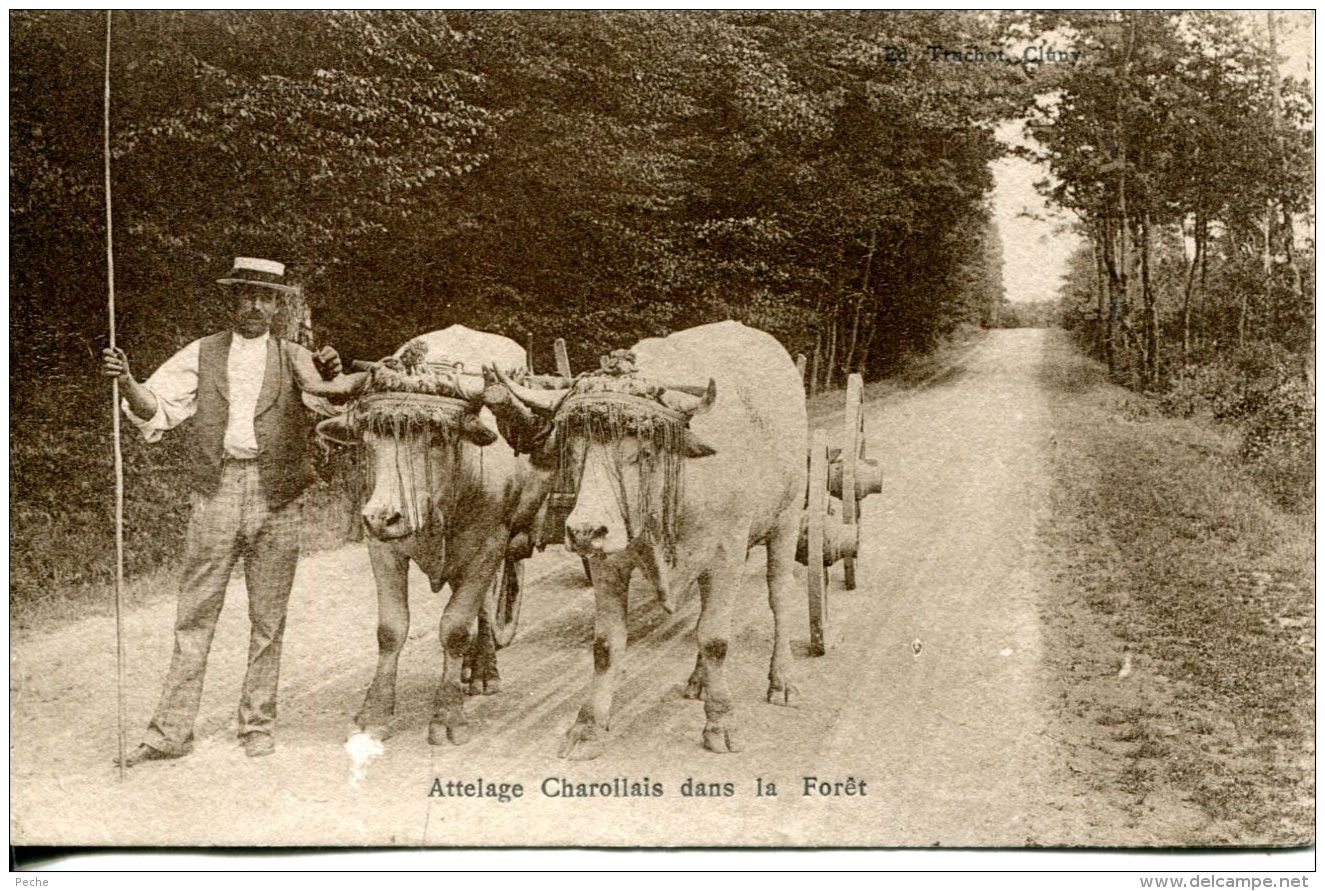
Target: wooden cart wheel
{"points": [[504, 601], [853, 449], [816, 517]]}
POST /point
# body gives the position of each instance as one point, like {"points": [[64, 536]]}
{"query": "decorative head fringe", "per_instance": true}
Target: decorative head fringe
{"points": [[406, 398], [407, 414], [606, 407]]}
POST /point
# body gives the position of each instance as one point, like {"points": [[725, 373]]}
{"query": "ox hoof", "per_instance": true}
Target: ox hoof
{"points": [[583, 742], [378, 731], [722, 740], [781, 692], [440, 734], [483, 687]]}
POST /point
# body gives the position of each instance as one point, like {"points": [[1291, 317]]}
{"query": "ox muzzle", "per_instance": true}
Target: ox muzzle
{"points": [[386, 523], [597, 527]]}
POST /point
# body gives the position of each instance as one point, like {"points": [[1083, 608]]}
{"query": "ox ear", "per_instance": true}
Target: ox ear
{"points": [[475, 431], [337, 430], [696, 447]]}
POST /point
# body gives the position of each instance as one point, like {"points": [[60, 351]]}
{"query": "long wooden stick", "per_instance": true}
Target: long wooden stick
{"points": [[115, 426]]}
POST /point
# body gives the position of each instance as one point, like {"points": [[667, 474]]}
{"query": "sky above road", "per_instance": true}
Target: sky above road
{"points": [[1037, 239]]}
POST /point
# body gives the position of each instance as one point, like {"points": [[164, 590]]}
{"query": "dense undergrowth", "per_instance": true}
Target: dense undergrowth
{"points": [[1267, 394]]}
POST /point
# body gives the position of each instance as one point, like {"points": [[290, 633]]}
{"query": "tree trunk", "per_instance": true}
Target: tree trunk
{"points": [[1137, 328], [860, 301], [1267, 270], [849, 359], [294, 321], [1305, 301], [1277, 104], [1202, 337], [1197, 250], [1128, 348], [1270, 212], [814, 363], [1116, 273], [867, 343], [1267, 302], [832, 355], [1105, 241], [1151, 310], [1122, 260], [1122, 279], [1103, 336]]}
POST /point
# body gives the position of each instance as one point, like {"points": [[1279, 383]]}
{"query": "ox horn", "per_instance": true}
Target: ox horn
{"points": [[337, 430], [691, 401], [543, 402]]}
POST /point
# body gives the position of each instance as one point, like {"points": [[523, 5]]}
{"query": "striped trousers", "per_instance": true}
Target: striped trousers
{"points": [[235, 522]]}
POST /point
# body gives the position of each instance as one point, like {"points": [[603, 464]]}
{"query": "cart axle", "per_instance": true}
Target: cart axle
{"points": [[840, 541], [869, 478]]}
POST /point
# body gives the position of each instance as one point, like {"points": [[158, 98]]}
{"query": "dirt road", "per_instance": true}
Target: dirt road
{"points": [[932, 695]]}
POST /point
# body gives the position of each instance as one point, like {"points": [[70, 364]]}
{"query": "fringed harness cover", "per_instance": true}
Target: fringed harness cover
{"points": [[606, 407], [410, 398]]}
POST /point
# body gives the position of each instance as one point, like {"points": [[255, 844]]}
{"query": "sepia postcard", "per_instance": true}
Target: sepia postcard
{"points": [[662, 429]]}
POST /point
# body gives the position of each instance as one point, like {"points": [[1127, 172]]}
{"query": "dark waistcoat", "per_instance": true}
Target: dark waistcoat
{"points": [[280, 421]]}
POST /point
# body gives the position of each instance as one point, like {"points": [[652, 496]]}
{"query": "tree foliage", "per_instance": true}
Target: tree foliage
{"points": [[598, 176], [1186, 158]]}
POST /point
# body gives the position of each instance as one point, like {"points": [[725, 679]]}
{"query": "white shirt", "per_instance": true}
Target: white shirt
{"points": [[175, 386], [245, 369]]}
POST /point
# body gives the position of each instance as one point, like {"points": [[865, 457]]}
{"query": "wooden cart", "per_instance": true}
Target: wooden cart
{"points": [[830, 532]]}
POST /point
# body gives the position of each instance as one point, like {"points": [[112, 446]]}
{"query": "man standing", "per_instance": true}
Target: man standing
{"points": [[246, 391]]}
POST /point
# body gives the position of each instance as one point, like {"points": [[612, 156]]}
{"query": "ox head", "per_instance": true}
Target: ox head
{"points": [[619, 442], [413, 419]]}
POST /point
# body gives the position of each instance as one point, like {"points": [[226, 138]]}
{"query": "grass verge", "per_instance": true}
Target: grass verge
{"points": [[1182, 629]]}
